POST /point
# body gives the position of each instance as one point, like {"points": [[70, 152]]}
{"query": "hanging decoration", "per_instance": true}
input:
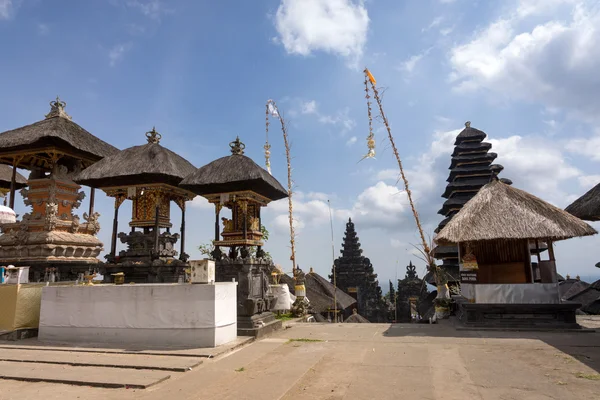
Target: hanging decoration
{"points": [[371, 137], [369, 78], [272, 110]]}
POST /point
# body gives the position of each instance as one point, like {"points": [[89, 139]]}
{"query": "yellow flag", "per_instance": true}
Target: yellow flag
{"points": [[371, 77]]}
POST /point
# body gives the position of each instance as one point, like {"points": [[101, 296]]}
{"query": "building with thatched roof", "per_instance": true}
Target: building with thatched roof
{"points": [[238, 184], [149, 176], [494, 232], [51, 235], [471, 168], [6, 173], [321, 294], [587, 207]]}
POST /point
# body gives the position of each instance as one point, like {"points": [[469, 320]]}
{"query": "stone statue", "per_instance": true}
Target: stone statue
{"points": [[51, 216], [227, 225], [93, 226], [253, 224], [75, 224]]}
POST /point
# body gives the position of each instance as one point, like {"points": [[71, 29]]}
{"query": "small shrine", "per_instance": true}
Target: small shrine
{"points": [[500, 285], [149, 176], [51, 235], [411, 292], [238, 184]]}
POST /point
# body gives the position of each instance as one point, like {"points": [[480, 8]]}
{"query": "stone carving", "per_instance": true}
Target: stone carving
{"points": [[227, 225], [80, 197], [60, 172], [75, 224], [253, 224], [93, 226], [51, 216], [411, 272]]}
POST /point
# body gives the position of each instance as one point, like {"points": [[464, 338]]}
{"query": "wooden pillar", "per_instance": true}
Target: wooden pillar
{"points": [[259, 219], [245, 213], [92, 196], [182, 251], [217, 214], [537, 249], [156, 228], [551, 250], [113, 243], [13, 184], [529, 266]]}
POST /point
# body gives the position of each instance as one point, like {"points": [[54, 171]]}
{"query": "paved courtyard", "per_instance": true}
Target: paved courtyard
{"points": [[319, 361]]}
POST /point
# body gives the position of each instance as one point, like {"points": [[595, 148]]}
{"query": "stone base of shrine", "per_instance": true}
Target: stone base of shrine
{"points": [[258, 325], [154, 315], [517, 316], [157, 271]]}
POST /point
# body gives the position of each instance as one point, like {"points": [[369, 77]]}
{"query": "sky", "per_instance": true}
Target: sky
{"points": [[523, 71]]}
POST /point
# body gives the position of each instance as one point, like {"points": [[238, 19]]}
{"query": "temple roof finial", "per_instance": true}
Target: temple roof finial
{"points": [[57, 109], [153, 136], [237, 147], [468, 124]]}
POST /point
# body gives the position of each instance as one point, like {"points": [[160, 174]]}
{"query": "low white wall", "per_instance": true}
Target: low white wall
{"points": [[170, 315], [514, 293]]}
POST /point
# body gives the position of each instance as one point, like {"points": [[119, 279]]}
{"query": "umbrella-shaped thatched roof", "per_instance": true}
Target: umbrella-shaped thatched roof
{"points": [[587, 206], [500, 211], [234, 173], [6, 178], [321, 292], [149, 163], [57, 132]]}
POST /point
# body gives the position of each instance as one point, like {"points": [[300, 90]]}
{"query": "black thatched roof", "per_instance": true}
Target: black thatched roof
{"points": [[469, 134], [320, 292], [357, 319], [234, 173], [148, 163], [6, 178], [587, 207], [55, 131]]}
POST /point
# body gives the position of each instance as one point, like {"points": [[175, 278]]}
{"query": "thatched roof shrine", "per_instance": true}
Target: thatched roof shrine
{"points": [[500, 211], [148, 163], [35, 145], [234, 173], [6, 177], [587, 207], [321, 293]]}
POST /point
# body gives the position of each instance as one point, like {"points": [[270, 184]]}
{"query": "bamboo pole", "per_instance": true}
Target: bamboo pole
{"points": [[275, 111], [426, 248]]}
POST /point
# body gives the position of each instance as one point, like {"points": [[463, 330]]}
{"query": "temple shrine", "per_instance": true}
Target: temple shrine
{"points": [[355, 276], [6, 174], [411, 292], [51, 235], [470, 169], [500, 284], [149, 176], [238, 184]]}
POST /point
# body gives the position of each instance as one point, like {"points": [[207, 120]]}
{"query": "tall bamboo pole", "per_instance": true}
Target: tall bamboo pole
{"points": [[369, 79], [273, 110]]}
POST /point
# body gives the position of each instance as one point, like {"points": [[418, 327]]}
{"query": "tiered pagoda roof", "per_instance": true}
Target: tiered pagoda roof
{"points": [[355, 275]]}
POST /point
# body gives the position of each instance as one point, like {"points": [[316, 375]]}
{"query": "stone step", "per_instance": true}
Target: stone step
{"points": [[85, 376], [75, 358]]}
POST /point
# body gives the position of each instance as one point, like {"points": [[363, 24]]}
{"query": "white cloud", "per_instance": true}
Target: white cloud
{"points": [[201, 203], [589, 181], [334, 26], [436, 22], [544, 51], [43, 29], [6, 9], [150, 8], [310, 107], [410, 64], [535, 165], [351, 141], [589, 147], [117, 52]]}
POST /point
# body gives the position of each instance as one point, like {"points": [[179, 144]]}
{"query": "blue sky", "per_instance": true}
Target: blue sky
{"points": [[524, 71]]}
